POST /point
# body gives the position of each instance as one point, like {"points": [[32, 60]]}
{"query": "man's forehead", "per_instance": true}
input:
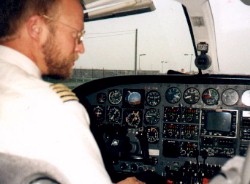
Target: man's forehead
{"points": [[71, 10], [72, 6]]}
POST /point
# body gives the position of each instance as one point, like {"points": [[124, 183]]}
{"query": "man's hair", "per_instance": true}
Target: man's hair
{"points": [[14, 12]]}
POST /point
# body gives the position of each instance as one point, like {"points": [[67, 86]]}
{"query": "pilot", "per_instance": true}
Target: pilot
{"points": [[40, 120]]}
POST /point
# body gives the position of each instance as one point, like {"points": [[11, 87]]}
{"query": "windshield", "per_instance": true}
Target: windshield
{"points": [[162, 40], [147, 43]]}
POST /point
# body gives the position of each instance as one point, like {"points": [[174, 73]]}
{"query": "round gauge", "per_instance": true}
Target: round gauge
{"points": [[115, 96], [246, 98], [133, 118], [152, 134], [134, 98], [98, 113], [173, 95], [152, 116], [114, 114], [101, 98], [230, 97], [210, 96], [153, 98], [191, 95]]}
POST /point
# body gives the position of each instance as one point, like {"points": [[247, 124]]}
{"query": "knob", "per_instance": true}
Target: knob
{"points": [[134, 167], [123, 166]]}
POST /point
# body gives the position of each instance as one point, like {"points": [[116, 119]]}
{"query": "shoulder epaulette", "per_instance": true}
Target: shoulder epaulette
{"points": [[64, 92]]}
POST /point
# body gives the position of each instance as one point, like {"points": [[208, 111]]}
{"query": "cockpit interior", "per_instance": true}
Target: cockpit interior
{"points": [[172, 120]]}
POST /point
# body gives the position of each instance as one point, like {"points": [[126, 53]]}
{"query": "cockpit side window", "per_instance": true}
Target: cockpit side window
{"points": [[232, 28]]}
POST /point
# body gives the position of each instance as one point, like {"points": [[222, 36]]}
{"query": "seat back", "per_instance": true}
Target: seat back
{"points": [[19, 170]]}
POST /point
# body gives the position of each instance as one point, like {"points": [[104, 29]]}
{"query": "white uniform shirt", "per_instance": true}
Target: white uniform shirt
{"points": [[36, 123]]}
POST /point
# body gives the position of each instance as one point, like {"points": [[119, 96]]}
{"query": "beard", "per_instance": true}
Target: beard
{"points": [[59, 66]]}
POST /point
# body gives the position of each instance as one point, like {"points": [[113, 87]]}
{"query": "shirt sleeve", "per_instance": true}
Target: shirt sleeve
{"points": [[47, 129]]}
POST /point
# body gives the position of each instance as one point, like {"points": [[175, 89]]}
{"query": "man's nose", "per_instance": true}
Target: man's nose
{"points": [[80, 48]]}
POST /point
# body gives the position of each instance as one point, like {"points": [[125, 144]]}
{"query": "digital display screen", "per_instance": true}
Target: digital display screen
{"points": [[218, 121]]}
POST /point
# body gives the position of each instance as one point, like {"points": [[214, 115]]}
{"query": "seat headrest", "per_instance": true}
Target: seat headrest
{"points": [[19, 170]]}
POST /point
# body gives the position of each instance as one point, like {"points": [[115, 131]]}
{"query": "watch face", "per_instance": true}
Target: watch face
{"points": [[202, 47]]}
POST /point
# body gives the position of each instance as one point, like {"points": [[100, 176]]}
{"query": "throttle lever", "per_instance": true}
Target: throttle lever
{"points": [[142, 136]]}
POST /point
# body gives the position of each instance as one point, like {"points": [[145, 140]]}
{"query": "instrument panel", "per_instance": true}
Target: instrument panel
{"points": [[173, 125]]}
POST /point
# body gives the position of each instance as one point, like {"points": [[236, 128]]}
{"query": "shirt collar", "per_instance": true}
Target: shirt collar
{"points": [[14, 57]]}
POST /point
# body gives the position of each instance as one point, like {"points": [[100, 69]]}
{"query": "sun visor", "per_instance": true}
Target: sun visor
{"points": [[101, 9]]}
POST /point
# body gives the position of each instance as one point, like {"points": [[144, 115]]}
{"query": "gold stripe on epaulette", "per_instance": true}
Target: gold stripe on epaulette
{"points": [[64, 92]]}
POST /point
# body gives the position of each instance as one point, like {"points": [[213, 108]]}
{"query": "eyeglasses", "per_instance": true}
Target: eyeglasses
{"points": [[80, 34]]}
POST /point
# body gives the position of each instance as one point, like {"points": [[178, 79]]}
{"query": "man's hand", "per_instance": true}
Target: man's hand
{"points": [[131, 180]]}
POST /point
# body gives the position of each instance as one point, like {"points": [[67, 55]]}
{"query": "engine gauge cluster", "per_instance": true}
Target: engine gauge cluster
{"points": [[140, 98], [138, 106]]}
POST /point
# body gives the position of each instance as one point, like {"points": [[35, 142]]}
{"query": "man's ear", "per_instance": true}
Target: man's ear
{"points": [[34, 27]]}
